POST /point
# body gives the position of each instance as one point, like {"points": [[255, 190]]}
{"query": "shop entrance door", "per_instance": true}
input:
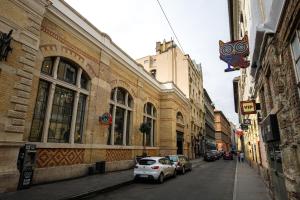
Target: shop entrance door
{"points": [[179, 142]]}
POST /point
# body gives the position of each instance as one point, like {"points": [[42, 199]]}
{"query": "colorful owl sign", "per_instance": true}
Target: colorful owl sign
{"points": [[106, 119], [234, 54]]}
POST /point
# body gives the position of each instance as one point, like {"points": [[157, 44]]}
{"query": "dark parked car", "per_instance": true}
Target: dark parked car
{"points": [[181, 163], [217, 154], [209, 156], [228, 156]]}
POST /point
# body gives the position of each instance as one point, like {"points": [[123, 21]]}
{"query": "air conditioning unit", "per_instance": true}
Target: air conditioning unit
{"points": [[269, 128]]}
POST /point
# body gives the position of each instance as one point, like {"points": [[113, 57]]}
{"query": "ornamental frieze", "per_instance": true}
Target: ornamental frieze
{"points": [[69, 44]]}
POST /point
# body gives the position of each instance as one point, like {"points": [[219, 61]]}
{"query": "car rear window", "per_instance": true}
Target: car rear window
{"points": [[146, 162], [173, 158]]}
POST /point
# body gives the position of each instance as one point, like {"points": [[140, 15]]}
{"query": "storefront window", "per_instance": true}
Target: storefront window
{"points": [[39, 112], [47, 66], [120, 109], [63, 115], [80, 119], [84, 81], [66, 72], [150, 118]]}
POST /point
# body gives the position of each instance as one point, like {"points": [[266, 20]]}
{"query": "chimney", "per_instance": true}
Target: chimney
{"points": [[158, 47]]}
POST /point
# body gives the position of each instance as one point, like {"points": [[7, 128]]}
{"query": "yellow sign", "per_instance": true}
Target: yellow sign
{"points": [[248, 107]]}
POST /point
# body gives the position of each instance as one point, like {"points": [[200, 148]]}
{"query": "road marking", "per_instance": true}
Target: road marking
{"points": [[235, 183]]}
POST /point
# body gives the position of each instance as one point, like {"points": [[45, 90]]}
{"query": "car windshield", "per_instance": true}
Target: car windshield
{"points": [[173, 158], [146, 162]]}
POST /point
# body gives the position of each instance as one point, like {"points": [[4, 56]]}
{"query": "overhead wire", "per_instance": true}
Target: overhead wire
{"points": [[170, 25]]}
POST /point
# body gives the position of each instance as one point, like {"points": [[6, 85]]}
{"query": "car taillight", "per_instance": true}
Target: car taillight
{"points": [[155, 167]]}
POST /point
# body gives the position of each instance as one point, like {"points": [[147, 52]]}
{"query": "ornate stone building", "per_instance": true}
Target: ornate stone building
{"points": [[274, 44], [62, 75], [223, 131], [171, 64], [210, 133]]}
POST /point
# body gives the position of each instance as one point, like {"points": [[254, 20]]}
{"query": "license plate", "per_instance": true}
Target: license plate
{"points": [[143, 176]]}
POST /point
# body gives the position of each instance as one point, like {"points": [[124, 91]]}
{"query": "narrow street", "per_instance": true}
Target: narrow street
{"points": [[209, 181]]}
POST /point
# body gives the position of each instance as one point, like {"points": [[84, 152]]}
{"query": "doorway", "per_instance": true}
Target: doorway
{"points": [[179, 142]]}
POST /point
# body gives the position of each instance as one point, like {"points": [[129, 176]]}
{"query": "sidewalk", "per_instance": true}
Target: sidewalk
{"points": [[77, 188], [248, 184]]}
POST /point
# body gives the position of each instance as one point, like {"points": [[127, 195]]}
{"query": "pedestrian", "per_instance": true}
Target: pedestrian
{"points": [[242, 156], [239, 156]]}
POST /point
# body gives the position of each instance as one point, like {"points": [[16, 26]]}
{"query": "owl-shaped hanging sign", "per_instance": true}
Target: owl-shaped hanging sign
{"points": [[234, 53]]}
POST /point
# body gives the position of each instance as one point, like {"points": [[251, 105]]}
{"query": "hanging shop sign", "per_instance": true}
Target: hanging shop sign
{"points": [[244, 127], [234, 53], [106, 119], [247, 121], [248, 107]]}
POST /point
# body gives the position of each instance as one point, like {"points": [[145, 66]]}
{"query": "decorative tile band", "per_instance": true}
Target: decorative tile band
{"points": [[58, 157], [118, 154]]}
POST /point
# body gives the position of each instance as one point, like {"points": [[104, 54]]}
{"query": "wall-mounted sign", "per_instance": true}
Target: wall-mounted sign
{"points": [[234, 53], [106, 119], [248, 107], [244, 127], [247, 121]]}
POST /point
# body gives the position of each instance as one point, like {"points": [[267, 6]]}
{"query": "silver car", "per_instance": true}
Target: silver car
{"points": [[154, 168]]}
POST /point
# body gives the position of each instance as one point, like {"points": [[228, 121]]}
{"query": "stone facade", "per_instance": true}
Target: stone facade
{"points": [[170, 64], [276, 87], [210, 138], [54, 30], [223, 131]]}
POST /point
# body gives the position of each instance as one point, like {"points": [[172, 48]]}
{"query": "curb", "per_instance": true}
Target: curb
{"points": [[234, 195], [92, 193]]}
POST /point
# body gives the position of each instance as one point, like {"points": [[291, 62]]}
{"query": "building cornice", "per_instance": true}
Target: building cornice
{"points": [[67, 14]]}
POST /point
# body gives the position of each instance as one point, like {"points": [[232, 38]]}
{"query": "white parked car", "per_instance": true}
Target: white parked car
{"points": [[154, 168]]}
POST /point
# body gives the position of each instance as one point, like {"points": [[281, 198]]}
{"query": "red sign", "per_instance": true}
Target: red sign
{"points": [[239, 132], [106, 119]]}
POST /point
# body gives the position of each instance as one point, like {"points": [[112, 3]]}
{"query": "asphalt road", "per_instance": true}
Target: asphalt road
{"points": [[209, 181]]}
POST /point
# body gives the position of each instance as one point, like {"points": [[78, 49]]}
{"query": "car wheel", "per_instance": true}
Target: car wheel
{"points": [[183, 170], [161, 178], [175, 173], [135, 179]]}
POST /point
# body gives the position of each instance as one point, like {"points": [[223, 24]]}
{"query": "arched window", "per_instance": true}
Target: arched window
{"points": [[61, 102], [121, 104], [179, 118], [150, 118]]}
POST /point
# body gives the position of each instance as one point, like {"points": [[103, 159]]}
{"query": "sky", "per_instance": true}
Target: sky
{"points": [[136, 25]]}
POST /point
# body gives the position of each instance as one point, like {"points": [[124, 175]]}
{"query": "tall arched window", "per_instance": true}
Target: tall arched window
{"points": [[61, 102], [121, 104], [179, 118], [150, 118]]}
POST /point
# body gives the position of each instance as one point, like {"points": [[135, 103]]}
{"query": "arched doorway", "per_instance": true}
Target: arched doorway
{"points": [[179, 133]]}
